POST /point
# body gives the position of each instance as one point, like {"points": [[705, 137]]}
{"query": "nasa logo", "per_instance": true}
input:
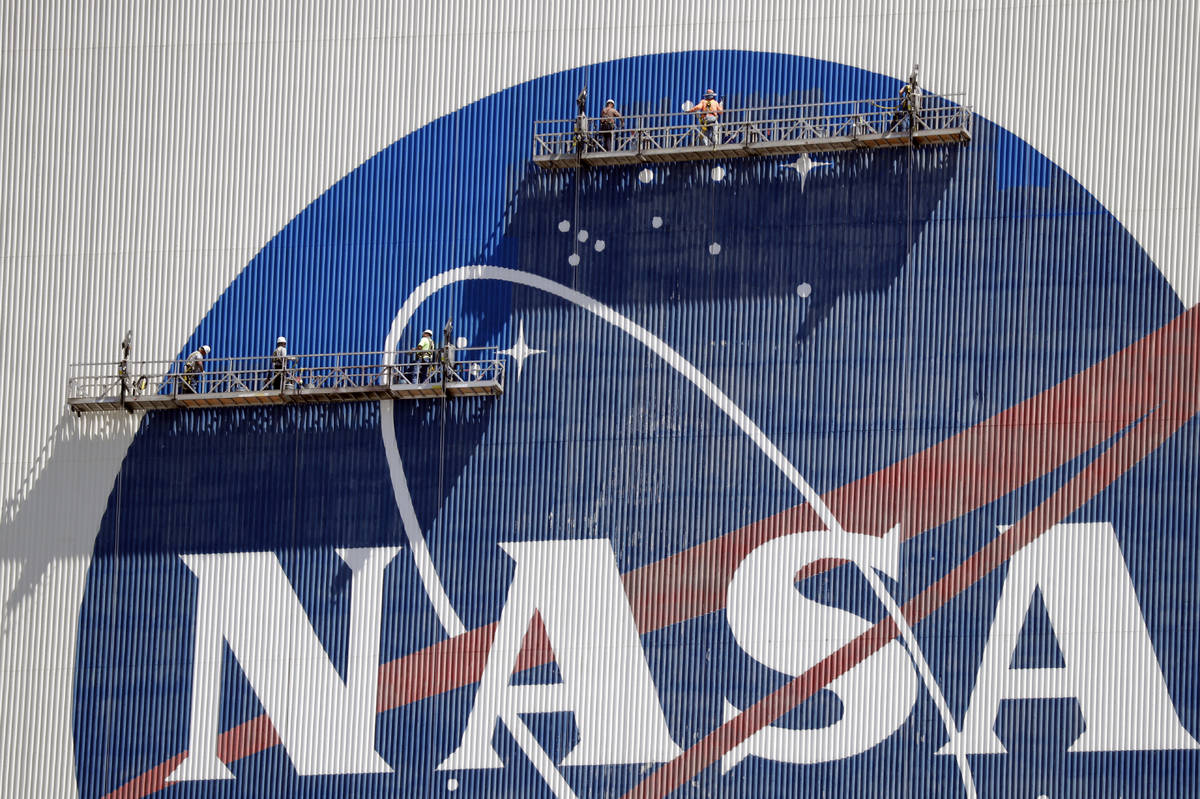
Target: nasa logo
{"points": [[741, 521]]}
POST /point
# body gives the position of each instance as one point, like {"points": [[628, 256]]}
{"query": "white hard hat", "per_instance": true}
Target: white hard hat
{"points": [[281, 340], [205, 349], [426, 332], [610, 102]]}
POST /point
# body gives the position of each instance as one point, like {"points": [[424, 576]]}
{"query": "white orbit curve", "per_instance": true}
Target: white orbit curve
{"points": [[433, 585]]}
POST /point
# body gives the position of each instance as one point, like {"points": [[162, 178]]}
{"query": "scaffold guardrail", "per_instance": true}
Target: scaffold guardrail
{"points": [[769, 130], [306, 379]]}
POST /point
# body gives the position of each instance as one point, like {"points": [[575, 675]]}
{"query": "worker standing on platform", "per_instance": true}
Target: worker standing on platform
{"points": [[446, 353], [193, 367], [708, 112], [279, 359], [582, 138], [910, 104], [610, 120], [425, 350], [123, 366]]}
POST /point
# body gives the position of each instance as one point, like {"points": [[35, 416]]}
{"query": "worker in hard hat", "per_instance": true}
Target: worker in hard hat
{"points": [[193, 367], [909, 105], [708, 112], [610, 120], [425, 348], [279, 359]]}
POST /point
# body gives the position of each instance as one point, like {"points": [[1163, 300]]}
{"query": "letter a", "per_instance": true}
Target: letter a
{"points": [[576, 589], [1110, 665], [327, 726]]}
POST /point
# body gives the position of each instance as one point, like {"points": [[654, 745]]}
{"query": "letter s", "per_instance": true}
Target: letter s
{"points": [[781, 628]]}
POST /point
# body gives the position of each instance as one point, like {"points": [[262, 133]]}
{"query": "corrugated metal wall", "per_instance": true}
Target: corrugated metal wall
{"points": [[859, 315]]}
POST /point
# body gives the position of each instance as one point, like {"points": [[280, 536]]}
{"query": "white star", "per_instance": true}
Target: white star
{"points": [[520, 350], [803, 165]]}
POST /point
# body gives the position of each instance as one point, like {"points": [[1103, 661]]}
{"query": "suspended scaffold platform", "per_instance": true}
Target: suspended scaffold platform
{"points": [[748, 132], [306, 379]]}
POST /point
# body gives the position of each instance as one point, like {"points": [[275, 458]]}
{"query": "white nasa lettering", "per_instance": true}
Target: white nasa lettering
{"points": [[326, 726], [576, 589], [1110, 665], [781, 628]]}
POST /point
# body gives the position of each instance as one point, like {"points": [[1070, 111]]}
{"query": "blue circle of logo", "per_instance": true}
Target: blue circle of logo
{"points": [[718, 331]]}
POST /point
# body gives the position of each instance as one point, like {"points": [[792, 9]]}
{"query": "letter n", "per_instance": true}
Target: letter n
{"points": [[327, 726]]}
